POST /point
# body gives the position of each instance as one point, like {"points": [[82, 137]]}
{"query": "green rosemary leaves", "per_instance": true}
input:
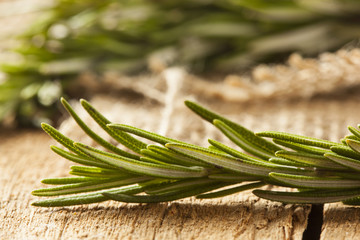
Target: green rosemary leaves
{"points": [[320, 171]]}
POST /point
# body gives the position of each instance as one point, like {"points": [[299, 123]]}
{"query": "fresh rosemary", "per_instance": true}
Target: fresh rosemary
{"points": [[74, 44], [321, 171]]}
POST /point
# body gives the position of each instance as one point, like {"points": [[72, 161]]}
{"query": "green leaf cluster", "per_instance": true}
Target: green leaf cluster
{"points": [[74, 36], [318, 171]]}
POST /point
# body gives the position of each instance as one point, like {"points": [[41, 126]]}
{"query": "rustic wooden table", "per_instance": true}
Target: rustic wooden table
{"points": [[25, 158]]}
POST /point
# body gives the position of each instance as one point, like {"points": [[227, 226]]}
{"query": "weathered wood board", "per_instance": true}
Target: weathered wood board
{"points": [[341, 222], [26, 158]]}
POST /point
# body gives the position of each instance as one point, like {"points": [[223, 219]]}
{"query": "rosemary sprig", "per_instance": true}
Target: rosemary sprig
{"points": [[320, 170]]}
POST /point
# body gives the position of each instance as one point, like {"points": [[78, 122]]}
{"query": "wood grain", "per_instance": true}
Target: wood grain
{"points": [[341, 222], [26, 158]]}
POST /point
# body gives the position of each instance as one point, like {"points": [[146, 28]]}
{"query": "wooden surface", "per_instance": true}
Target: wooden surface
{"points": [[26, 159], [341, 222]]}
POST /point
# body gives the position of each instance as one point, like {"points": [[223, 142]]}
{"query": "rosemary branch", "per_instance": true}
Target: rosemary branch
{"points": [[322, 171]]}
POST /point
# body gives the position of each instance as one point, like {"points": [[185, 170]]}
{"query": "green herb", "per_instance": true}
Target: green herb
{"points": [[318, 171], [72, 37]]}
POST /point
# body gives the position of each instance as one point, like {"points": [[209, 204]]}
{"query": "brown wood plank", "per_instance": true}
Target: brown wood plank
{"points": [[341, 222], [25, 159]]}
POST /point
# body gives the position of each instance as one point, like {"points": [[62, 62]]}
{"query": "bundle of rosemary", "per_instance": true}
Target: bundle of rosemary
{"points": [[73, 37], [322, 171]]}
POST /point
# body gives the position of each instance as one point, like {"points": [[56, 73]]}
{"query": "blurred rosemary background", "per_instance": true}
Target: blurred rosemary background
{"points": [[69, 40]]}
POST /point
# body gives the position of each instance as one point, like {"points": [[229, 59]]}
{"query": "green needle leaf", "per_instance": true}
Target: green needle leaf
{"points": [[311, 159], [300, 147], [151, 154], [298, 139], [152, 160], [68, 180], [241, 140], [354, 131], [122, 137], [106, 172], [86, 198], [215, 149], [230, 191], [248, 135], [351, 137], [143, 168], [60, 138], [178, 186], [92, 134], [287, 162], [233, 152], [87, 186], [352, 201], [230, 163], [80, 159], [142, 133], [308, 197], [163, 197], [345, 151], [98, 175], [176, 158], [345, 161], [354, 145], [348, 175], [315, 182], [231, 177]]}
